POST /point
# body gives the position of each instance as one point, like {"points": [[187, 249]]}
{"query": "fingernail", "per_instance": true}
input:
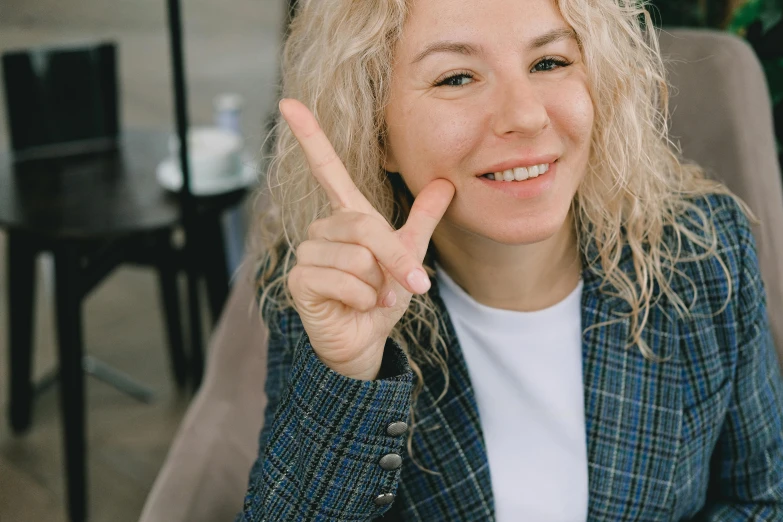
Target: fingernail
{"points": [[419, 281], [390, 299]]}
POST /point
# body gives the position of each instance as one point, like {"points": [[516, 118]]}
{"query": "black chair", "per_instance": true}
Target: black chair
{"points": [[75, 186]]}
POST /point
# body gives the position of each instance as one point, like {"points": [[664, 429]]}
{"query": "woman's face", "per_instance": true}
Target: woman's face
{"points": [[485, 86]]}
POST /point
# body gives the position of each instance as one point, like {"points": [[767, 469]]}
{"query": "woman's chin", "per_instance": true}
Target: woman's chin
{"points": [[513, 234], [522, 230]]}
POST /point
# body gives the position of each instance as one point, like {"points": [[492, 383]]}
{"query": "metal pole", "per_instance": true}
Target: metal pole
{"points": [[187, 203], [180, 96]]}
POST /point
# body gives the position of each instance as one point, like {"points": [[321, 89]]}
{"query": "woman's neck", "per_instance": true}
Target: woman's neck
{"points": [[523, 278]]}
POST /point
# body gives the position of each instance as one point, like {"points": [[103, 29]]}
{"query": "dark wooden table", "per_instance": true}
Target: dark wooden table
{"points": [[52, 198], [94, 213]]}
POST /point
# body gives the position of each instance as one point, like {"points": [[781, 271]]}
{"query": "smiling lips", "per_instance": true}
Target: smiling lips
{"points": [[518, 173]]}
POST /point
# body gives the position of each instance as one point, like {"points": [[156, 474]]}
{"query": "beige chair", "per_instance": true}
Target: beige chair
{"points": [[721, 115]]}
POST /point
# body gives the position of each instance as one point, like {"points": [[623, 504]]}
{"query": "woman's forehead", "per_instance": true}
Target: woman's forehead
{"points": [[467, 26], [431, 20]]}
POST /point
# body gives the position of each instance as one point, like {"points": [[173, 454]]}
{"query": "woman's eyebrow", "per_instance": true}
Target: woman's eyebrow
{"points": [[469, 49], [448, 47], [564, 33]]}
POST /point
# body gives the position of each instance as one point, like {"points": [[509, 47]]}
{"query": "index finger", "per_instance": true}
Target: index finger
{"points": [[324, 163]]}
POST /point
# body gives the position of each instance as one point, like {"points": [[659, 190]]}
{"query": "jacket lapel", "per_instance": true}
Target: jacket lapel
{"points": [[633, 411]]}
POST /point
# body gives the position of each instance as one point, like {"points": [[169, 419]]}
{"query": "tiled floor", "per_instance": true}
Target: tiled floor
{"points": [[231, 46]]}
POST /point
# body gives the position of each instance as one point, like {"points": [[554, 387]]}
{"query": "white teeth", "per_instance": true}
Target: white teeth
{"points": [[520, 174]]}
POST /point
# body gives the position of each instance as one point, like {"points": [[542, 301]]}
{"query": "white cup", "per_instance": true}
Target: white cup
{"points": [[212, 152]]}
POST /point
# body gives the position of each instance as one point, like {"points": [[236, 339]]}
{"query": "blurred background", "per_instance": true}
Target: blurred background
{"points": [[759, 22], [230, 47]]}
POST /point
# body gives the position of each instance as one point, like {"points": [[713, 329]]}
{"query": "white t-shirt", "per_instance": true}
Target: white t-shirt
{"points": [[526, 371]]}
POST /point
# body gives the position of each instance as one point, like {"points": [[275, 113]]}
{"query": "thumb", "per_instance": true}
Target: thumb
{"points": [[426, 213]]}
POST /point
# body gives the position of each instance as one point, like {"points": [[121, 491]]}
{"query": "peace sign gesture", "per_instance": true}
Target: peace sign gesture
{"points": [[355, 275]]}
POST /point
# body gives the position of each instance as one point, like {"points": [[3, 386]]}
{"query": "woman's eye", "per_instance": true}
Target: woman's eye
{"points": [[549, 63], [455, 80]]}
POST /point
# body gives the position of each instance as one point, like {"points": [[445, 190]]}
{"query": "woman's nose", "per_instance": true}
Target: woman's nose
{"points": [[519, 109]]}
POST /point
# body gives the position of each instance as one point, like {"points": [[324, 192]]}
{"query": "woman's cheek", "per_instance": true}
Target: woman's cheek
{"points": [[571, 108], [456, 133], [437, 147]]}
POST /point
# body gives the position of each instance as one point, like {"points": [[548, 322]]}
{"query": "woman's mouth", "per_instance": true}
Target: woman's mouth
{"points": [[518, 174], [532, 182]]}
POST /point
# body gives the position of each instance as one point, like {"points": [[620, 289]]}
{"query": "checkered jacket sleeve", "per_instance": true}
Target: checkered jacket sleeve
{"points": [[324, 434], [746, 475]]}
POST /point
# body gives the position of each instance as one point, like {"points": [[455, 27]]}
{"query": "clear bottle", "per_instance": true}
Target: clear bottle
{"points": [[228, 111]]}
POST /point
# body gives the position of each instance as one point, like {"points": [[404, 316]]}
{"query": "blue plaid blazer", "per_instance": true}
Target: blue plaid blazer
{"points": [[697, 437]]}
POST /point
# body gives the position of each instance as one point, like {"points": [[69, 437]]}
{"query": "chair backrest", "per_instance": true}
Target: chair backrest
{"points": [[61, 100], [722, 118]]}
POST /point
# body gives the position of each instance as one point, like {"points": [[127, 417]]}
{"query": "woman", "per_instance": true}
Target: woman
{"points": [[586, 342]]}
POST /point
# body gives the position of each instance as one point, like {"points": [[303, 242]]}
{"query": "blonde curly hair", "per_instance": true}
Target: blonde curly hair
{"points": [[337, 60]]}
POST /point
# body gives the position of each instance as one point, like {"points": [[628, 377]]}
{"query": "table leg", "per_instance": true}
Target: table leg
{"points": [[194, 316], [21, 317], [212, 246], [72, 398], [169, 293]]}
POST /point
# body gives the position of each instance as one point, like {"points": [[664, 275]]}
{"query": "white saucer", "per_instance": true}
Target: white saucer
{"points": [[170, 177]]}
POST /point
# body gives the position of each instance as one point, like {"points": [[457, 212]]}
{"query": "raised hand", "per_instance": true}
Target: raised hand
{"points": [[355, 275]]}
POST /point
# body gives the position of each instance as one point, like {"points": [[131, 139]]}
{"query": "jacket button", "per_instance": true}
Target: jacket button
{"points": [[384, 500], [390, 462], [395, 429]]}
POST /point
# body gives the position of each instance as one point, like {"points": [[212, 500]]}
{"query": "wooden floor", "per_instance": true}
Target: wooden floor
{"points": [[230, 47]]}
